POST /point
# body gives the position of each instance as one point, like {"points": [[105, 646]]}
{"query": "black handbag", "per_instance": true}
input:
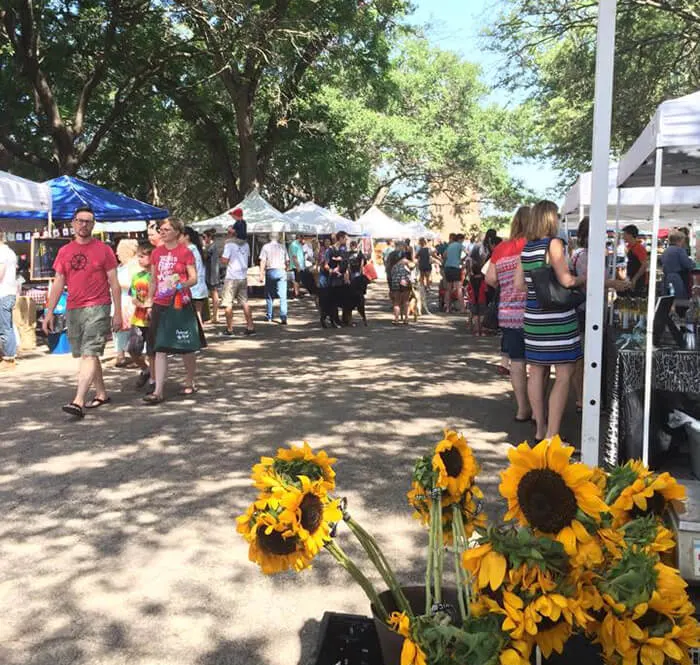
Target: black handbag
{"points": [[551, 295], [490, 320]]}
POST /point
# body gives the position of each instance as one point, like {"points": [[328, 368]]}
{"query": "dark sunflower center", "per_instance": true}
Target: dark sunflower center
{"points": [[650, 619], [546, 500], [311, 512], [452, 459], [274, 543], [655, 506]]}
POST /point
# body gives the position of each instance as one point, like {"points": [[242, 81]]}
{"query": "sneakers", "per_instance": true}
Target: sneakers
{"points": [[144, 375], [283, 322], [229, 333], [248, 333]]}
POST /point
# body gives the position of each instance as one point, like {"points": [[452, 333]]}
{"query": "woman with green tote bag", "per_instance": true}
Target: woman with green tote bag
{"points": [[174, 327]]}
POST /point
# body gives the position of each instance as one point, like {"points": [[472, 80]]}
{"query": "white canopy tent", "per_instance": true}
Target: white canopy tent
{"points": [[323, 219], [379, 225], [19, 194], [419, 230], [260, 217], [666, 154], [680, 204]]}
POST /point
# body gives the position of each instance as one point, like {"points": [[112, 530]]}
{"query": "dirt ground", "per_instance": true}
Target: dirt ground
{"points": [[118, 541]]}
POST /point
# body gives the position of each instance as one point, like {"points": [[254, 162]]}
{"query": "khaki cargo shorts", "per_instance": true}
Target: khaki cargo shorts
{"points": [[235, 289], [88, 328]]}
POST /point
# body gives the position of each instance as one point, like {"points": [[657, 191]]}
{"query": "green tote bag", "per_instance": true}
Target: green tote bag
{"points": [[178, 329]]}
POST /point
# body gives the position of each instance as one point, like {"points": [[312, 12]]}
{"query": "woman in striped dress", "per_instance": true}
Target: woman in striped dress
{"points": [[551, 337]]}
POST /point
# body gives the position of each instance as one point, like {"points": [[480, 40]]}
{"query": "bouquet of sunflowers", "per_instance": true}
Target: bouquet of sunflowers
{"points": [[579, 551]]}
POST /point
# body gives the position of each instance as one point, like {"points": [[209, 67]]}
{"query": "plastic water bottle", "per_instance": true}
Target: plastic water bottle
{"points": [[671, 289]]}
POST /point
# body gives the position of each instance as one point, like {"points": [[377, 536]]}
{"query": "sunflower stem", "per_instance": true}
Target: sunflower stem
{"points": [[369, 544], [436, 524], [459, 578], [465, 582], [346, 562], [429, 566]]}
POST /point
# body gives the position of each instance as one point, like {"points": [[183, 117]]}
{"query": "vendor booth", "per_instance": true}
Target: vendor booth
{"points": [[65, 195], [325, 221], [380, 226], [261, 219], [69, 193], [655, 368], [18, 194]]}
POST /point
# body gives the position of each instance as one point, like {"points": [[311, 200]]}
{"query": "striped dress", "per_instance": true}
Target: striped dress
{"points": [[550, 337]]}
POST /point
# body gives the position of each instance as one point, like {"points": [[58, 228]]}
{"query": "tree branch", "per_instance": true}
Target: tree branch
{"points": [[97, 73]]}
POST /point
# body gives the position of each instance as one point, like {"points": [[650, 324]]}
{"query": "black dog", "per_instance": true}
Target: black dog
{"points": [[353, 297], [326, 297]]}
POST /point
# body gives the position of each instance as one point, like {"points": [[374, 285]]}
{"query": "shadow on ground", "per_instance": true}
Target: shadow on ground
{"points": [[118, 541]]}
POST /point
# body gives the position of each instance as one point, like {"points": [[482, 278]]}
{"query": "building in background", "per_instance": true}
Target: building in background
{"points": [[453, 212]]}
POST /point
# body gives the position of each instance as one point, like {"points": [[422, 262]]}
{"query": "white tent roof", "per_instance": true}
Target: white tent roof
{"points": [[678, 204], [419, 230], [675, 127], [323, 219], [379, 225], [260, 217], [20, 194]]}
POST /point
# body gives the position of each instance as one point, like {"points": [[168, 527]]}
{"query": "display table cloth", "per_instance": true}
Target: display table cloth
{"points": [[674, 371]]}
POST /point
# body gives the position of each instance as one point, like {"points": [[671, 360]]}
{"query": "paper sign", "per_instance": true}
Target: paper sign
{"points": [[696, 558]]}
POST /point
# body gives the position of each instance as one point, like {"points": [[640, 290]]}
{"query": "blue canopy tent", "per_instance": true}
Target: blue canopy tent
{"points": [[68, 193]]}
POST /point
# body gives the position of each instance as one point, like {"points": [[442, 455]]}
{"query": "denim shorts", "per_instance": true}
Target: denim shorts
{"points": [[513, 343]]}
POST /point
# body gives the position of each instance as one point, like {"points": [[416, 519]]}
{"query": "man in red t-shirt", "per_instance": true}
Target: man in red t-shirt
{"points": [[637, 261], [88, 268]]}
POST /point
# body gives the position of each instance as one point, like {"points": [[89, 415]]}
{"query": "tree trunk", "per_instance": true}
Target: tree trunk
{"points": [[247, 151]]}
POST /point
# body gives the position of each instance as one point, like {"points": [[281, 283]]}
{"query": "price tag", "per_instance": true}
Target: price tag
{"points": [[696, 558]]}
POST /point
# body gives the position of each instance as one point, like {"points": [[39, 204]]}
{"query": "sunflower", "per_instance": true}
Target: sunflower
{"points": [[469, 504], [292, 462], [544, 490], [521, 619], [486, 565], [551, 636], [310, 512], [654, 644], [517, 653], [455, 465], [647, 533], [411, 653], [634, 491], [272, 544]]}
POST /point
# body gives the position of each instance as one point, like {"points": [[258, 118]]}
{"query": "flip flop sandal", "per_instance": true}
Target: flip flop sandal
{"points": [[503, 371], [188, 391], [74, 410], [152, 399], [97, 402]]}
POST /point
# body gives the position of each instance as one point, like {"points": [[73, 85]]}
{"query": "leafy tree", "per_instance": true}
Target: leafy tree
{"points": [[259, 54], [69, 71], [549, 46], [435, 128]]}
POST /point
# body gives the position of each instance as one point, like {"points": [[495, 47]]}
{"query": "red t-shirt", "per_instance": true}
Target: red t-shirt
{"points": [[85, 268], [169, 262]]}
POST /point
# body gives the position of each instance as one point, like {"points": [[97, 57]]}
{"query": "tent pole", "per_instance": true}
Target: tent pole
{"points": [[651, 305], [613, 258], [605, 60]]}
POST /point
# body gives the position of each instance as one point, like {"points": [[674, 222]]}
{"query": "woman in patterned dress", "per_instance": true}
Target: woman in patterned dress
{"points": [[551, 337]]}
